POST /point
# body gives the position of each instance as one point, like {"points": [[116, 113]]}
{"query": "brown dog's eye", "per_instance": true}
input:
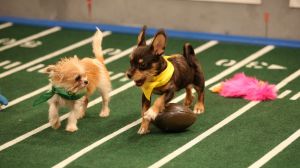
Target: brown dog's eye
{"points": [[142, 66], [77, 78]]}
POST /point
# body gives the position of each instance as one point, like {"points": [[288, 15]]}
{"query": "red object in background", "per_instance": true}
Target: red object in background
{"points": [[89, 5], [266, 17]]}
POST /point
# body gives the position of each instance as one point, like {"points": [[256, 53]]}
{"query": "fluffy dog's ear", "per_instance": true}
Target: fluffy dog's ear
{"points": [[49, 69], [141, 38], [159, 42]]}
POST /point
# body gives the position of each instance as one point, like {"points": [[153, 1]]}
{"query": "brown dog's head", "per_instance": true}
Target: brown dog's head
{"points": [[146, 60], [69, 74]]}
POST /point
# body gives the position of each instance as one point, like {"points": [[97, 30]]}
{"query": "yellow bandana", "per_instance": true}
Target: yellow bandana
{"points": [[159, 80]]}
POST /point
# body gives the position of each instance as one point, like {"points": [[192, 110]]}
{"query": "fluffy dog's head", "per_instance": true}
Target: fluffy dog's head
{"points": [[146, 60], [69, 74]]}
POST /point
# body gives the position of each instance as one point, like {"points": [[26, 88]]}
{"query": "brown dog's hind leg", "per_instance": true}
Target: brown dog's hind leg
{"points": [[199, 106], [189, 96]]}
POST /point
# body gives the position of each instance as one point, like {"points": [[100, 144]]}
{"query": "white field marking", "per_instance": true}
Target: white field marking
{"points": [[63, 117], [12, 65], [95, 144], [38, 66], [27, 96], [233, 68], [51, 55], [280, 147], [283, 94], [124, 79], [110, 72], [5, 25], [116, 76], [296, 96], [4, 63], [206, 46], [123, 53], [32, 37], [219, 125]]}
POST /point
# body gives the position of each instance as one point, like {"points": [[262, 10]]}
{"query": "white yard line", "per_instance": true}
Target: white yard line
{"points": [[216, 127], [27, 96], [123, 129], [38, 66], [4, 63], [5, 25], [280, 147], [116, 76], [205, 46], [14, 64], [283, 94], [51, 55], [32, 37], [295, 97]]}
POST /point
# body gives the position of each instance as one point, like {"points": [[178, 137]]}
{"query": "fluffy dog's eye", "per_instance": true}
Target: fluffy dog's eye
{"points": [[78, 77]]}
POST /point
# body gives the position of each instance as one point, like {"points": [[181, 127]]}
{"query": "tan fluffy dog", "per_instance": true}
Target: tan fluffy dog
{"points": [[77, 76]]}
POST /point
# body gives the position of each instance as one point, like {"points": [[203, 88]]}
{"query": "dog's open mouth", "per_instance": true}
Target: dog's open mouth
{"points": [[139, 82]]}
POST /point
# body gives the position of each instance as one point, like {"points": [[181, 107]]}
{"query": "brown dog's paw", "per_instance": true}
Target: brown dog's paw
{"points": [[143, 130], [199, 108]]}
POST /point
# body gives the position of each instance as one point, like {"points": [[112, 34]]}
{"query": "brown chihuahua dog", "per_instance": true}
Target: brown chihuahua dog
{"points": [[164, 75]]}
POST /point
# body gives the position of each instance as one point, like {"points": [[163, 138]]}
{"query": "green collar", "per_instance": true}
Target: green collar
{"points": [[61, 92]]}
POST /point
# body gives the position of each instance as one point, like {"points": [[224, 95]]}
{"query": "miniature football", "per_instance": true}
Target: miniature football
{"points": [[175, 118]]}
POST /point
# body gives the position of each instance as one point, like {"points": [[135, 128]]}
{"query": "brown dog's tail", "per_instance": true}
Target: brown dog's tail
{"points": [[97, 45], [189, 54]]}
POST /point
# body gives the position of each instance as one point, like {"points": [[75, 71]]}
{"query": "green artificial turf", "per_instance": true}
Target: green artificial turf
{"points": [[238, 144]]}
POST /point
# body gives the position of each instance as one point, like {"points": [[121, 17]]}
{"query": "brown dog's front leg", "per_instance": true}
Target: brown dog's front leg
{"points": [[145, 123]]}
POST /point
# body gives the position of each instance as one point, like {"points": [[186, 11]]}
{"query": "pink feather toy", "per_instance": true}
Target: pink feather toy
{"points": [[246, 87]]}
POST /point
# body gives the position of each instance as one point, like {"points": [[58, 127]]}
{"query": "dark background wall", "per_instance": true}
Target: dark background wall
{"points": [[224, 18]]}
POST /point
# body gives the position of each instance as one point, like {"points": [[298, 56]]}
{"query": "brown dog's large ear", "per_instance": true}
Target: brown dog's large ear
{"points": [[141, 38], [159, 42]]}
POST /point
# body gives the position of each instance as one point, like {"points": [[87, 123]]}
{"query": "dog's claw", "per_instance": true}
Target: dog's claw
{"points": [[143, 131]]}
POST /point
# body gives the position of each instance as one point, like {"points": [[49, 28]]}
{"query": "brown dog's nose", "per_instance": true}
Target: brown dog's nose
{"points": [[86, 82]]}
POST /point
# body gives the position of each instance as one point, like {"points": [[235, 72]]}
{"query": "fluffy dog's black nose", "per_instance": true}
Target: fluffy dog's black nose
{"points": [[86, 82], [129, 74]]}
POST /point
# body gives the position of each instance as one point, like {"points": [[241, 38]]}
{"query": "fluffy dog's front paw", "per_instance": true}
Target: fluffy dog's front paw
{"points": [[80, 115], [104, 113], [143, 130], [71, 128], [150, 114], [199, 108], [55, 123]]}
